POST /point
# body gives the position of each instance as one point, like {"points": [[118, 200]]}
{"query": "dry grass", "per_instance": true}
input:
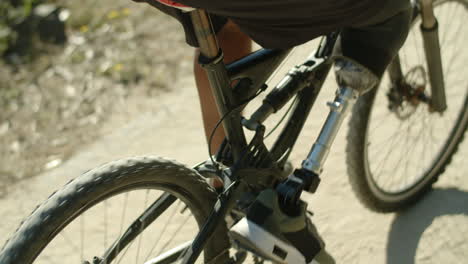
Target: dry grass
{"points": [[58, 102]]}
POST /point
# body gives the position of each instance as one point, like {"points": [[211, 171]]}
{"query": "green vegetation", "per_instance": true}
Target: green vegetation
{"points": [[27, 24], [14, 15]]}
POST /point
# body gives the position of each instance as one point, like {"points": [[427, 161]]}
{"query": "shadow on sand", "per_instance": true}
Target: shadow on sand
{"points": [[408, 226]]}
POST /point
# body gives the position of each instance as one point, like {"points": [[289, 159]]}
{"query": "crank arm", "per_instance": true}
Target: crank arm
{"points": [[223, 205]]}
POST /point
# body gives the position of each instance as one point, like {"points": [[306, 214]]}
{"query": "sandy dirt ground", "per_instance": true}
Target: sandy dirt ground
{"points": [[433, 231]]}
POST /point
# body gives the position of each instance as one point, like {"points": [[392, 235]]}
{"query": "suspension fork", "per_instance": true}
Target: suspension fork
{"points": [[430, 34]]}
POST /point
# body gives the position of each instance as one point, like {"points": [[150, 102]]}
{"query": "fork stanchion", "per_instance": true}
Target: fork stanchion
{"points": [[430, 34]]}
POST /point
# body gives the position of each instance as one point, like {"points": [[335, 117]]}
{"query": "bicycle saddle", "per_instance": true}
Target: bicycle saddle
{"points": [[179, 12], [171, 3]]}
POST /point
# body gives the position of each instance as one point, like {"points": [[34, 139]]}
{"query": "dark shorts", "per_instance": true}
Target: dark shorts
{"points": [[286, 23], [372, 30]]}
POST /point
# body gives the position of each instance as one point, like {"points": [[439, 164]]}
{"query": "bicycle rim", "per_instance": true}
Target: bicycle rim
{"points": [[407, 151], [94, 230]]}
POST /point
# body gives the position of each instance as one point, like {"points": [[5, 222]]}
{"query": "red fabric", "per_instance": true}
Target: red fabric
{"points": [[171, 3]]}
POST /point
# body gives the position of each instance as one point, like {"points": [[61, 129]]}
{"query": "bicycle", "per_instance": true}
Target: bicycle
{"points": [[247, 167]]}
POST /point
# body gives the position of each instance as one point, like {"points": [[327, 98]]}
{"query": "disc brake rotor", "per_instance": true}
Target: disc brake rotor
{"points": [[405, 99]]}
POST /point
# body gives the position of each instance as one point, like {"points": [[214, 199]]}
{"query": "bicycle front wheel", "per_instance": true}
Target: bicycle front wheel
{"points": [[141, 210], [397, 147]]}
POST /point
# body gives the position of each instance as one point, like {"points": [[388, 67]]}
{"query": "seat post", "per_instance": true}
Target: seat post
{"points": [[205, 34], [212, 61]]}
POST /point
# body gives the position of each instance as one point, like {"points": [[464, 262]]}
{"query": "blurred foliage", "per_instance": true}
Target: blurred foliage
{"points": [[118, 57], [25, 23], [13, 14]]}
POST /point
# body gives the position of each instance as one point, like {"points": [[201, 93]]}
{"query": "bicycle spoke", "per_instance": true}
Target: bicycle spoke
{"points": [[380, 167], [162, 233], [402, 157], [125, 252], [122, 219], [382, 121], [69, 241], [105, 224], [410, 176], [384, 142], [140, 237], [455, 52], [424, 147], [415, 43], [82, 236], [172, 238], [447, 25], [143, 221]]}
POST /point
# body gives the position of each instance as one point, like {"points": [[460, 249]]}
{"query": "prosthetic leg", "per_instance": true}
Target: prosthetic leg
{"points": [[276, 226]]}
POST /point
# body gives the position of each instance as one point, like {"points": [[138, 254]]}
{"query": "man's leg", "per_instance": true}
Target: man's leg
{"points": [[375, 43]]}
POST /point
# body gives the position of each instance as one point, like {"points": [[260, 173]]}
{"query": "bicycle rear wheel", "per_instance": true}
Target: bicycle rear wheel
{"points": [[397, 150], [90, 214]]}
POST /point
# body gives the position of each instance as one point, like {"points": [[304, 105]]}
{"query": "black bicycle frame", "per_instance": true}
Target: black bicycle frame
{"points": [[258, 67], [251, 73], [255, 68]]}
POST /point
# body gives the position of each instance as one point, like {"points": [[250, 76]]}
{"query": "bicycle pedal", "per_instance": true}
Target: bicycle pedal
{"points": [[243, 247], [239, 257]]}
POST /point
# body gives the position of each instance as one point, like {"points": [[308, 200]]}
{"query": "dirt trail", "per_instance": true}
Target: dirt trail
{"points": [[434, 231]]}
